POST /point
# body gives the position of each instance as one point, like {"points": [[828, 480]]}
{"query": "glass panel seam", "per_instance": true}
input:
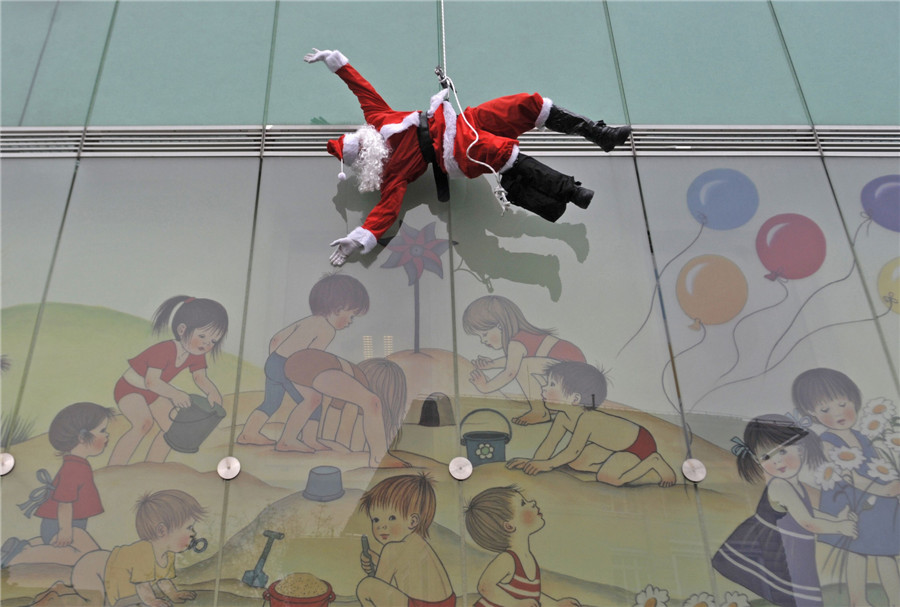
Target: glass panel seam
{"points": [[62, 224], [245, 312], [37, 67], [850, 239]]}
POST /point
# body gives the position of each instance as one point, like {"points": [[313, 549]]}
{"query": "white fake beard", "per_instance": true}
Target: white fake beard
{"points": [[369, 164]]}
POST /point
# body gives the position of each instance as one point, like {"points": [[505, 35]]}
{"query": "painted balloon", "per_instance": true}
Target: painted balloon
{"points": [[889, 284], [722, 199], [711, 289], [881, 201], [790, 246]]}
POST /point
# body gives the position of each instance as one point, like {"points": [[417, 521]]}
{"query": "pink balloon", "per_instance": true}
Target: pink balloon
{"points": [[790, 246]]}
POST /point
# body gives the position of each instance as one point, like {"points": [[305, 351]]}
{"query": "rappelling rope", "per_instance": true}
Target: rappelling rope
{"points": [[447, 82]]}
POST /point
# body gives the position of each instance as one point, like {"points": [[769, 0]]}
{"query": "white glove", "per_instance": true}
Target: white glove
{"points": [[317, 55], [345, 247]]}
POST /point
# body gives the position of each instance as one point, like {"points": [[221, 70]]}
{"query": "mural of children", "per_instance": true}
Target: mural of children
{"points": [[773, 552], [165, 523], [502, 520], [325, 380], [144, 394], [833, 399], [407, 571], [77, 432], [500, 325], [334, 301], [617, 450]]}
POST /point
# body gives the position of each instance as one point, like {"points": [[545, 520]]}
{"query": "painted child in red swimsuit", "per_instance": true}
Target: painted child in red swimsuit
{"points": [[144, 392], [501, 520], [527, 350], [407, 571], [617, 450]]}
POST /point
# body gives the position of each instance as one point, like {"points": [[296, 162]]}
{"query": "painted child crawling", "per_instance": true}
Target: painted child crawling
{"points": [[617, 450]]}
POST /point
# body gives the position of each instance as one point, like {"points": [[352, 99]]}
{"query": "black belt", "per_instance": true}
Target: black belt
{"points": [[427, 149]]}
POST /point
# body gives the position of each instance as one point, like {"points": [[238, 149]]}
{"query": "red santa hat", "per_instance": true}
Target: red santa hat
{"points": [[346, 147]]}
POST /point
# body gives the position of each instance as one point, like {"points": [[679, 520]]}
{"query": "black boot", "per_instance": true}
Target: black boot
{"points": [[562, 120], [522, 195], [538, 176]]}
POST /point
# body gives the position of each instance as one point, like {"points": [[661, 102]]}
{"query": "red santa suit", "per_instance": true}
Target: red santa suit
{"points": [[485, 140]]}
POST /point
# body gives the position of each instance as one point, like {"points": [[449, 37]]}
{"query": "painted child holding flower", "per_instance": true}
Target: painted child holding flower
{"points": [[866, 479]]}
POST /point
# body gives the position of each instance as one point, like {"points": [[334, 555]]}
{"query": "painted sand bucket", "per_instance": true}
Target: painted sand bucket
{"points": [[485, 446], [191, 425], [276, 599], [324, 484]]}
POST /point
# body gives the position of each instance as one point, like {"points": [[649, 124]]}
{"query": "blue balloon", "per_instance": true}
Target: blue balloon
{"points": [[722, 199], [881, 200]]}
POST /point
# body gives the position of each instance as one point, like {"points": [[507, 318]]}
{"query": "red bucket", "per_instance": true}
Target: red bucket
{"points": [[276, 599]]}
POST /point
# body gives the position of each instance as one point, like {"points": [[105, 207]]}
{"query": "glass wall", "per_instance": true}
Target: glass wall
{"points": [[165, 310]]}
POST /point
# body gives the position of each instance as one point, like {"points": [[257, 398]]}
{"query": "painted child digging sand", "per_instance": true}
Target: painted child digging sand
{"points": [[617, 450]]}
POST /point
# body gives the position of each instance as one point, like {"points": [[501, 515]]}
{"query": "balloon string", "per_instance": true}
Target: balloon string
{"points": [[813, 294], [891, 302], [737, 350], [656, 289], [671, 361]]}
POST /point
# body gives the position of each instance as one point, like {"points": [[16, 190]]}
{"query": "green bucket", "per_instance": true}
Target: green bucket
{"points": [[191, 425]]}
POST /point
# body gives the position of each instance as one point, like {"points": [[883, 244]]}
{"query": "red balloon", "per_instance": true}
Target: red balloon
{"points": [[790, 246]]}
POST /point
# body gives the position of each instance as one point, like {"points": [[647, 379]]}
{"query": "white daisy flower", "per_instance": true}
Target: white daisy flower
{"points": [[701, 599], [881, 406], [892, 440], [847, 458], [826, 475], [736, 599], [873, 426], [651, 596], [881, 469]]}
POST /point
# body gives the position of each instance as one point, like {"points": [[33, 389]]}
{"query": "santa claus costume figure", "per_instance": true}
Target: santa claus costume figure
{"points": [[395, 148]]}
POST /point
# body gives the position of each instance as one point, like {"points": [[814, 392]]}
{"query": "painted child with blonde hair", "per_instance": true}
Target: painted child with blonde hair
{"points": [[527, 349], [407, 571], [502, 520], [126, 576]]}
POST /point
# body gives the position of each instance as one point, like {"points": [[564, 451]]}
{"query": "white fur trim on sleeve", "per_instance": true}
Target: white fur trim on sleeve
{"points": [[336, 60], [363, 237], [545, 112]]}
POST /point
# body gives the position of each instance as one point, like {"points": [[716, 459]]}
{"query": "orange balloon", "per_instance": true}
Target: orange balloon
{"points": [[711, 290]]}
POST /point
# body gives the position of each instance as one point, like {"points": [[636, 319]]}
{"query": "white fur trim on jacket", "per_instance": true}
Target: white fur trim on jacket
{"points": [[363, 237], [450, 164], [436, 101], [336, 60], [545, 112], [388, 130]]}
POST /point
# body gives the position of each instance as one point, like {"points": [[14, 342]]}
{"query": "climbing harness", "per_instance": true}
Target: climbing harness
{"points": [[447, 83]]}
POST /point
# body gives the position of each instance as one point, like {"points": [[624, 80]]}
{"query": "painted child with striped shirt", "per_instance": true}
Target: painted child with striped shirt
{"points": [[502, 520]]}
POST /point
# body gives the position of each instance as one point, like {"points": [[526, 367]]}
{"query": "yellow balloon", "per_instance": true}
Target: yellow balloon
{"points": [[711, 289], [889, 284]]}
